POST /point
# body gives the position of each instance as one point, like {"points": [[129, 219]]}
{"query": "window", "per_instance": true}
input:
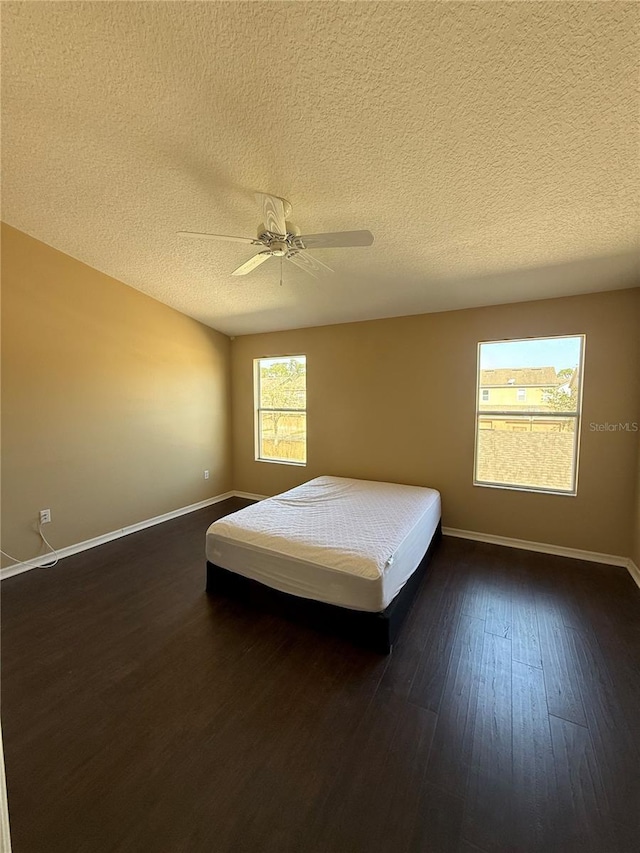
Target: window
{"points": [[533, 447], [280, 386], [485, 395]]}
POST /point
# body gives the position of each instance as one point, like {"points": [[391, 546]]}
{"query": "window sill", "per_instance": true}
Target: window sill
{"points": [[282, 462], [531, 489]]}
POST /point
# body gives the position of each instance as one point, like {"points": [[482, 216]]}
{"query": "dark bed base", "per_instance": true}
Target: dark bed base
{"points": [[376, 631]]}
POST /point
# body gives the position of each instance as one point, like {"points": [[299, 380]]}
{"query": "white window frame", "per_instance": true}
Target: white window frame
{"points": [[577, 415], [521, 395], [258, 409]]}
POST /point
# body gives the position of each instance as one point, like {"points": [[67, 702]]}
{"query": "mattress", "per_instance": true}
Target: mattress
{"points": [[353, 543]]}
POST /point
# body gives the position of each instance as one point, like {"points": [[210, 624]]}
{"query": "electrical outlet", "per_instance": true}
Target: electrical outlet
{"points": [[206, 475], [45, 516]]}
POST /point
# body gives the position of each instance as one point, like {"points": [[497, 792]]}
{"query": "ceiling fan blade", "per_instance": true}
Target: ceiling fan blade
{"points": [[336, 239], [273, 212], [309, 264], [252, 263], [248, 240]]}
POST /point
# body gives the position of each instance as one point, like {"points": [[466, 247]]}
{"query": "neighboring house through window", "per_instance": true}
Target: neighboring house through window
{"points": [[528, 429], [280, 390]]}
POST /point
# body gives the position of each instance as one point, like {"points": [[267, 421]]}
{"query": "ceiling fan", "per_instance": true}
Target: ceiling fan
{"points": [[279, 238]]}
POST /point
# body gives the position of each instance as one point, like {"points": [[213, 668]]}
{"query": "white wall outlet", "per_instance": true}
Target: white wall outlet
{"points": [[206, 475], [45, 516]]}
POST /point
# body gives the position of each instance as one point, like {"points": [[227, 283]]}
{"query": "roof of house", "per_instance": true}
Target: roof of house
{"points": [[519, 376]]}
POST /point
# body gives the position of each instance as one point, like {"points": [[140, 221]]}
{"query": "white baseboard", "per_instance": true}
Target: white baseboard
{"points": [[634, 571], [37, 562], [249, 496], [541, 547]]}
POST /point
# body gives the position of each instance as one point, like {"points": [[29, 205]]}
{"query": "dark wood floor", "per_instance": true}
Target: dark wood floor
{"points": [[141, 715]]}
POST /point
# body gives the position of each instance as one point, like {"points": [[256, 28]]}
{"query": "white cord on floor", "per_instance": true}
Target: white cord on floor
{"points": [[49, 546]]}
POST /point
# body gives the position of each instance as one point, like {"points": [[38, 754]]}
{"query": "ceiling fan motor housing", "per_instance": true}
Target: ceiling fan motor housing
{"points": [[278, 248], [279, 245]]}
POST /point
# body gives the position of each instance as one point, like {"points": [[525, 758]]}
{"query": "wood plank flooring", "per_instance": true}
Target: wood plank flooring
{"points": [[139, 714]]}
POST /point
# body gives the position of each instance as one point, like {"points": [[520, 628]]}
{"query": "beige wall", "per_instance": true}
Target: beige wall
{"points": [[113, 404], [394, 400]]}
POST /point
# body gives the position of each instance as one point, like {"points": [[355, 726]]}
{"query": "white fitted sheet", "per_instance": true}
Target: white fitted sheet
{"points": [[353, 543]]}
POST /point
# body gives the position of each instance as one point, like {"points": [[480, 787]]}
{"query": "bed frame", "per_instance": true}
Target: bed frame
{"points": [[376, 631]]}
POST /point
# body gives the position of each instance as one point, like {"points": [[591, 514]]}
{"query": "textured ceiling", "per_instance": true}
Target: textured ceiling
{"points": [[492, 148]]}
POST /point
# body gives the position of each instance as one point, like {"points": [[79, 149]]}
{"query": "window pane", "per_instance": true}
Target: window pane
{"points": [[283, 383], [535, 375], [283, 436], [530, 452]]}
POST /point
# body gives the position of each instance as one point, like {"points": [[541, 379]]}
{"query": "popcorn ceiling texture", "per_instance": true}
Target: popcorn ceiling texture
{"points": [[492, 148]]}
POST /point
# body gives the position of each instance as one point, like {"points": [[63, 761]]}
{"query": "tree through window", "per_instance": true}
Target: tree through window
{"points": [[281, 409]]}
